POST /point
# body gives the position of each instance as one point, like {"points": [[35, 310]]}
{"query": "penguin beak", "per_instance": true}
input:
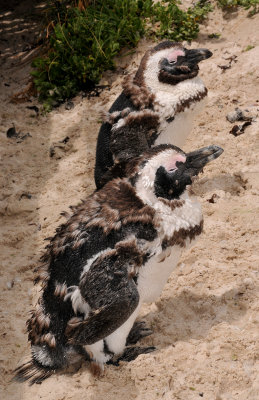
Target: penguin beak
{"points": [[194, 56], [196, 160]]}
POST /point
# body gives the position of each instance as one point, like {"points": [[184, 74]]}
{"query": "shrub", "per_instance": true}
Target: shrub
{"points": [[252, 5], [83, 36], [83, 39]]}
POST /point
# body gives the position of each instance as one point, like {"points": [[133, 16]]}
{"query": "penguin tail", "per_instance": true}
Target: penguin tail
{"points": [[46, 361], [33, 372]]}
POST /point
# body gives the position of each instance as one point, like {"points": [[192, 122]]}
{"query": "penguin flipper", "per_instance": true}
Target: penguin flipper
{"points": [[104, 159], [126, 134], [127, 142], [112, 295], [129, 137]]}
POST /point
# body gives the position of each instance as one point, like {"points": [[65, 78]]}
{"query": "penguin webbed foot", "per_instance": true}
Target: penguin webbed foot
{"points": [[138, 331], [131, 353]]}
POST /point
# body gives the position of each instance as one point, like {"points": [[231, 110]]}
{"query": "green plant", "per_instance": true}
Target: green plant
{"points": [[252, 5], [83, 38], [166, 19], [249, 47], [82, 45], [214, 35], [201, 9]]}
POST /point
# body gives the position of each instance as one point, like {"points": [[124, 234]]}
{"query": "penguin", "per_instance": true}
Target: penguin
{"points": [[114, 253], [157, 105]]}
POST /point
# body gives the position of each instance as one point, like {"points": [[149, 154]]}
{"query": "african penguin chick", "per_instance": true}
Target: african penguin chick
{"points": [[157, 105], [114, 253]]}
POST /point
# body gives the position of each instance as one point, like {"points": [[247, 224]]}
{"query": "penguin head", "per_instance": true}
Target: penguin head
{"points": [[171, 63], [165, 171]]}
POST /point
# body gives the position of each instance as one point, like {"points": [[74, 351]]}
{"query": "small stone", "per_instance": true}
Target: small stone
{"points": [[10, 284], [214, 198], [248, 281], [239, 129], [57, 148], [34, 108], [69, 105], [11, 132], [25, 195], [234, 116]]}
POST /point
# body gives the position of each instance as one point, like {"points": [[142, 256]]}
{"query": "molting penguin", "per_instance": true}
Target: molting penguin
{"points": [[157, 105], [114, 253]]}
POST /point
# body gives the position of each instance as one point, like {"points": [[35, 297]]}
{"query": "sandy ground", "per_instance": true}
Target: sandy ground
{"points": [[206, 322]]}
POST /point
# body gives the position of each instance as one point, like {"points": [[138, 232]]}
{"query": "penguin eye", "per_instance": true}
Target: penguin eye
{"points": [[172, 62], [172, 170]]}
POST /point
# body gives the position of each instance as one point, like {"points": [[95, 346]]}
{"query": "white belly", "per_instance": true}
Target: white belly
{"points": [[177, 131], [155, 273]]}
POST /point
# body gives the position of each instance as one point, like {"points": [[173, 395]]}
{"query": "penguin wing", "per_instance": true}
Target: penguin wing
{"points": [[133, 133], [131, 136], [125, 143], [128, 141], [111, 293], [104, 158]]}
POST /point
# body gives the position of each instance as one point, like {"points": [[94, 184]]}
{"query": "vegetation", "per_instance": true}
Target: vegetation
{"points": [[84, 36], [214, 35], [251, 5], [249, 47]]}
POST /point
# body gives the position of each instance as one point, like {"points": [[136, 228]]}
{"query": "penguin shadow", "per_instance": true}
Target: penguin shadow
{"points": [[233, 184], [192, 316]]}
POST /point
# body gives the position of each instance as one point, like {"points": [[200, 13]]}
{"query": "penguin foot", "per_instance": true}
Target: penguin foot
{"points": [[131, 353], [138, 331]]}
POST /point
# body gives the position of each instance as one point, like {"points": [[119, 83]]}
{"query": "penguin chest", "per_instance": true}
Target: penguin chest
{"points": [[155, 273], [175, 128]]}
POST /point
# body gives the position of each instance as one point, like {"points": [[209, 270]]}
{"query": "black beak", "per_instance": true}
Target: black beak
{"points": [[194, 56], [197, 159]]}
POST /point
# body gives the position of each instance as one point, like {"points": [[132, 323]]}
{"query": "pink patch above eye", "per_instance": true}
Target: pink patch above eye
{"points": [[172, 163], [173, 56]]}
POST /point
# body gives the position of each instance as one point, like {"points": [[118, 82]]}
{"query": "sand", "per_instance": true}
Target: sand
{"points": [[206, 321]]}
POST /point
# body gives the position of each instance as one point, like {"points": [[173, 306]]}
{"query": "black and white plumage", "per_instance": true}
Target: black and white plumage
{"points": [[114, 253], [157, 105]]}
